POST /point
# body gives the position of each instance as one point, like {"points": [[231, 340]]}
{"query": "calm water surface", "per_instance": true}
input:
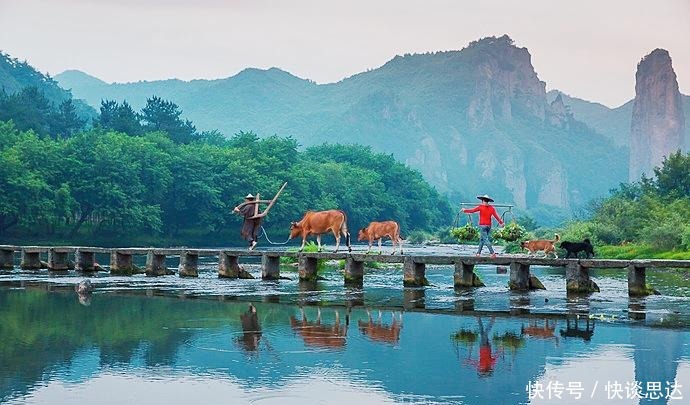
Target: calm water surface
{"points": [[169, 340]]}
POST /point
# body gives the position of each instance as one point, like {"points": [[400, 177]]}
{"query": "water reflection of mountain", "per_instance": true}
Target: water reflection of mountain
{"points": [[657, 354], [51, 336]]}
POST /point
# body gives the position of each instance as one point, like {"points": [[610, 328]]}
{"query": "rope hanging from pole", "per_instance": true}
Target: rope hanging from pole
{"points": [[265, 235], [509, 210]]}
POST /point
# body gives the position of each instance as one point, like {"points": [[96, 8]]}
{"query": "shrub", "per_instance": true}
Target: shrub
{"points": [[419, 237], [685, 237], [513, 247], [527, 222], [577, 231], [662, 236], [608, 234], [444, 235]]}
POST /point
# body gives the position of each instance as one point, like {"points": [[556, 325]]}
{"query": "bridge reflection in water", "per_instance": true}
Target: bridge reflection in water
{"points": [[57, 350]]}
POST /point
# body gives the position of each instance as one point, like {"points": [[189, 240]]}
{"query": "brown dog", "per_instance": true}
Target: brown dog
{"points": [[541, 245]]}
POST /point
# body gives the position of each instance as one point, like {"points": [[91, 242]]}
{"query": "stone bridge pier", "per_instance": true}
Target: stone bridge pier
{"points": [[6, 258]]}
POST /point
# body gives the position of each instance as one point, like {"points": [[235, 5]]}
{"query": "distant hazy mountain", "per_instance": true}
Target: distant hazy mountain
{"points": [[614, 123], [472, 121], [16, 75]]}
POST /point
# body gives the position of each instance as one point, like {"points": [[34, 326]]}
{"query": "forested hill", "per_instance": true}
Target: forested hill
{"points": [[472, 121], [17, 76], [166, 183]]}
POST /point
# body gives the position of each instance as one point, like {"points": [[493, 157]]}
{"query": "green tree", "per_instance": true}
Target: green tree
{"points": [[117, 181], [672, 178], [120, 118], [66, 122], [162, 115], [29, 109]]}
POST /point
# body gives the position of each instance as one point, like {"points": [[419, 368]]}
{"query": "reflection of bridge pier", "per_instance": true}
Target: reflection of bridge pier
{"points": [[574, 328], [577, 304], [637, 308], [271, 298], [354, 297], [519, 303], [308, 291], [413, 298], [464, 300]]}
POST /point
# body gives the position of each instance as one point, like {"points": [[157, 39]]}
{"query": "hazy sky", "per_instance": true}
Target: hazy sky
{"points": [[586, 48]]}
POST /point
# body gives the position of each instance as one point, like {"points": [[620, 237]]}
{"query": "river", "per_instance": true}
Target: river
{"points": [[168, 340]]}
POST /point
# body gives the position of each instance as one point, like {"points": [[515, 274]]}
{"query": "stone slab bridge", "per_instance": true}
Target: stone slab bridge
{"points": [[414, 266]]}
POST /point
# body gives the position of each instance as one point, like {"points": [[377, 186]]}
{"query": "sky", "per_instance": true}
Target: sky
{"points": [[585, 48]]}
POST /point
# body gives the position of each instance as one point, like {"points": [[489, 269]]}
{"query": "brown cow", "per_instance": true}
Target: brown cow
{"points": [[540, 332], [379, 332], [315, 334], [320, 222], [379, 230]]}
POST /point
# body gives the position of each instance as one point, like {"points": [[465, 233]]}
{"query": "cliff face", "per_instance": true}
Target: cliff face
{"points": [[658, 122], [507, 90], [505, 83]]}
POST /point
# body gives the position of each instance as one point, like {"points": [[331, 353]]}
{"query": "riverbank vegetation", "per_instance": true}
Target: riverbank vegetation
{"points": [[150, 177], [645, 219], [649, 218]]}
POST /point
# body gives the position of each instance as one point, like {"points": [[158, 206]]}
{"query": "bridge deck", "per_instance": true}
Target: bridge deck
{"points": [[361, 257]]}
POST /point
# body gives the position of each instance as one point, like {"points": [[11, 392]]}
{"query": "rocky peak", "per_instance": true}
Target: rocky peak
{"points": [[505, 83], [658, 122], [558, 113]]}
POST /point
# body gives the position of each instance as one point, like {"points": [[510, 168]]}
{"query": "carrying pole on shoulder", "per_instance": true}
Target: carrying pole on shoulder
{"points": [[270, 204]]}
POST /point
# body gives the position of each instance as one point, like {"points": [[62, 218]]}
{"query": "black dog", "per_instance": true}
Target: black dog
{"points": [[574, 248]]}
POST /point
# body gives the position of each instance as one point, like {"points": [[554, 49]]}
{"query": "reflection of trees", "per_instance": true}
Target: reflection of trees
{"points": [[510, 340], [120, 352], [162, 351], [42, 329]]}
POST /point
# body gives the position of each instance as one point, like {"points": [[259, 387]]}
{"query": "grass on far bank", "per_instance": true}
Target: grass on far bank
{"points": [[638, 251]]}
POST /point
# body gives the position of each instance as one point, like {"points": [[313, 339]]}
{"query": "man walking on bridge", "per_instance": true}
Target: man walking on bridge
{"points": [[252, 223], [249, 209], [486, 211]]}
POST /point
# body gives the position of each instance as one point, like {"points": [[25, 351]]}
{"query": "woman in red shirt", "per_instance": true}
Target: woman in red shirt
{"points": [[486, 211]]}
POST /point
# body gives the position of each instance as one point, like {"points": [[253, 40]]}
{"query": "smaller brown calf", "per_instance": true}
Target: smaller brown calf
{"points": [[380, 230]]}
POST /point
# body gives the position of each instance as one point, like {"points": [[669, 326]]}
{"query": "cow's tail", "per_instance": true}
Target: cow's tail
{"points": [[345, 231]]}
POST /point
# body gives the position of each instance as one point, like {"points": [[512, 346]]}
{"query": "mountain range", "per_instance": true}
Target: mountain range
{"points": [[472, 121]]}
